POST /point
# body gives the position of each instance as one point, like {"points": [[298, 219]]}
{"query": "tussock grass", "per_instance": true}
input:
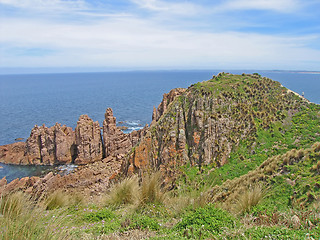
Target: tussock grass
{"points": [[13, 204], [22, 219], [57, 199], [248, 199], [124, 192], [178, 204], [129, 192], [150, 191]]}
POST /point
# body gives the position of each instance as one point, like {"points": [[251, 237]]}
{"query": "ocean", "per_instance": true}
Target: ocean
{"points": [[35, 99]]}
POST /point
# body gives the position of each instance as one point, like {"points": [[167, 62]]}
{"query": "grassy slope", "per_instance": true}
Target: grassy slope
{"points": [[281, 156]]}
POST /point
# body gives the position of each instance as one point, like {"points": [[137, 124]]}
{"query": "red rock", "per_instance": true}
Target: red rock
{"points": [[167, 99], [115, 141], [64, 144], [13, 153], [88, 141], [3, 182]]}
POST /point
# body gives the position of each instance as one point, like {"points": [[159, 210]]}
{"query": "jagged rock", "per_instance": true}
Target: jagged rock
{"points": [[167, 99], [13, 153], [49, 146], [33, 143], [115, 141], [15, 185], [201, 126], [88, 141], [65, 144]]}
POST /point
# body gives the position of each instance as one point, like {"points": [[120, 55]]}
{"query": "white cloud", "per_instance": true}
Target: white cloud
{"points": [[131, 42], [182, 8], [273, 5], [47, 5]]}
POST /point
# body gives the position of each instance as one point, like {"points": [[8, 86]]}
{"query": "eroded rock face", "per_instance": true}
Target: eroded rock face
{"points": [[194, 129], [49, 146], [167, 99], [115, 141], [13, 153], [65, 144], [88, 141], [17, 184]]}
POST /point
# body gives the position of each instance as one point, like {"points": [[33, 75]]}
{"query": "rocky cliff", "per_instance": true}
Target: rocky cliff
{"points": [[198, 126], [202, 124]]}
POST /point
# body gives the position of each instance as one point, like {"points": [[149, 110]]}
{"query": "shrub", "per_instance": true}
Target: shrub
{"points": [[144, 222], [103, 214], [206, 221]]}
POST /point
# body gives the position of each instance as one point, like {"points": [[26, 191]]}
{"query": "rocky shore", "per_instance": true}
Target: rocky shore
{"points": [[99, 155], [197, 126]]}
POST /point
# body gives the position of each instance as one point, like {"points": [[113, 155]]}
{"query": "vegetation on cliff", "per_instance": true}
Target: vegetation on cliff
{"points": [[237, 157]]}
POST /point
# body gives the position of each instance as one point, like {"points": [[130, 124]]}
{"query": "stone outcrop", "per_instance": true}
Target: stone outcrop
{"points": [[167, 99], [116, 142], [90, 179], [64, 144], [23, 184], [61, 145], [45, 146], [13, 153], [88, 141]]}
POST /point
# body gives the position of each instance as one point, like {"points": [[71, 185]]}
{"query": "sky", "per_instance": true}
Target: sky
{"points": [[82, 35]]}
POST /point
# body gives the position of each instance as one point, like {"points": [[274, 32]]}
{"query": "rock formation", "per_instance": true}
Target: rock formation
{"points": [[61, 145], [167, 99], [88, 141], [200, 125], [13, 153], [116, 142], [64, 144]]}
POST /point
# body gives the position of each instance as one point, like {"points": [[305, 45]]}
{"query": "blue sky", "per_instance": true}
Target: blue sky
{"points": [[160, 34]]}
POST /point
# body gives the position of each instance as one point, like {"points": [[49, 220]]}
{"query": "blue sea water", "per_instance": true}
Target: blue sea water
{"points": [[36, 99]]}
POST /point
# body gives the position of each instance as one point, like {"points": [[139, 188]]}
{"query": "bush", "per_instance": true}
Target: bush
{"points": [[206, 221], [144, 222], [103, 214]]}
